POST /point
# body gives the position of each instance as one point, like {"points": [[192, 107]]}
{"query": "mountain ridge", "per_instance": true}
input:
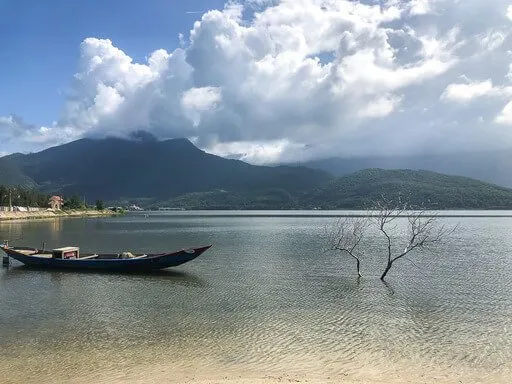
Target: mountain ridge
{"points": [[360, 190], [490, 166], [419, 188], [114, 168]]}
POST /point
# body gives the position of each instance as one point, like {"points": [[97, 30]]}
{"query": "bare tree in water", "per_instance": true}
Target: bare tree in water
{"points": [[422, 233], [346, 238]]}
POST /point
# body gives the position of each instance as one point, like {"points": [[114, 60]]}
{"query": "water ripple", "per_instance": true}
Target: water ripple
{"points": [[264, 300]]}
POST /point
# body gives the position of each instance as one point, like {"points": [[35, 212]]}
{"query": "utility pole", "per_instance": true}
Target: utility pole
{"points": [[10, 200]]}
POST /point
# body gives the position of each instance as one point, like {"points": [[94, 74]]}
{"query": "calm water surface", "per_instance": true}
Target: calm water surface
{"points": [[264, 299]]}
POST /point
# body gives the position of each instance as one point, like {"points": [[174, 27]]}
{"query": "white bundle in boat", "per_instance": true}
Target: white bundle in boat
{"points": [[128, 255]]}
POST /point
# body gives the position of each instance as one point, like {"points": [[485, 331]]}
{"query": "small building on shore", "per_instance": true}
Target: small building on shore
{"points": [[55, 203]]}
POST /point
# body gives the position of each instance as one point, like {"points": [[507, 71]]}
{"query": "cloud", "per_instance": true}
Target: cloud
{"points": [[271, 80], [464, 93], [198, 101], [472, 91], [12, 127], [255, 152], [420, 7], [505, 116], [262, 81], [14, 130], [493, 39], [25, 137]]}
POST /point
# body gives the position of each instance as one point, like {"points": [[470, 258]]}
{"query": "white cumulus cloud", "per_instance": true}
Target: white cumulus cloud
{"points": [[197, 101], [462, 93], [505, 116], [306, 78]]}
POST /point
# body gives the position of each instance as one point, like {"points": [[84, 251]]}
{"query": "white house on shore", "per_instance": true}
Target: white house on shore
{"points": [[55, 203]]}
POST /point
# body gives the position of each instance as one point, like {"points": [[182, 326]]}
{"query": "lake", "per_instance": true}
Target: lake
{"points": [[265, 302]]}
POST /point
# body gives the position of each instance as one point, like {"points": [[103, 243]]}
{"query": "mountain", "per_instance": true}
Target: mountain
{"points": [[420, 188], [175, 173], [491, 166], [11, 174], [112, 169]]}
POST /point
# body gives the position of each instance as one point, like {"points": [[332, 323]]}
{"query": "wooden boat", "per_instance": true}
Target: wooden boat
{"points": [[70, 258]]}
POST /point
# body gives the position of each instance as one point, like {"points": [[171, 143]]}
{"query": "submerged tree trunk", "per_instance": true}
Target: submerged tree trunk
{"points": [[388, 267], [358, 267]]}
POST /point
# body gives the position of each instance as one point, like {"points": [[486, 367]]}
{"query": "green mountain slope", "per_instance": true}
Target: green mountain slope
{"points": [[490, 166], [175, 173], [430, 189], [111, 169], [11, 174], [257, 199]]}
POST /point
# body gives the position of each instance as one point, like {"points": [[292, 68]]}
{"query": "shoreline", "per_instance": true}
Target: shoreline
{"points": [[48, 215], [167, 373]]}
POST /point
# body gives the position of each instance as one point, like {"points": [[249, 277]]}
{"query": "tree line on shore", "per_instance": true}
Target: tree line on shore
{"points": [[30, 197]]}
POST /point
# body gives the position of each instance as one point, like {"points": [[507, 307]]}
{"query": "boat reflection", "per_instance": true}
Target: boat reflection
{"points": [[17, 270]]}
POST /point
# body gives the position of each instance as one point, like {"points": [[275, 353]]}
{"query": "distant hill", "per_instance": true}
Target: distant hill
{"points": [[227, 200], [358, 190], [112, 169], [491, 166], [420, 188]]}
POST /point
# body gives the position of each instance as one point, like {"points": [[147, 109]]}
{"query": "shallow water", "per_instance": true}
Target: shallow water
{"points": [[264, 299]]}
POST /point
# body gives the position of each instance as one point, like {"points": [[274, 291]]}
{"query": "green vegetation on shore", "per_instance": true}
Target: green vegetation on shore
{"points": [[20, 196], [23, 197]]}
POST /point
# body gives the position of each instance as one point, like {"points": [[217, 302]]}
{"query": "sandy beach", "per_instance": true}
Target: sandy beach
{"points": [[41, 215], [172, 371], [167, 374], [365, 376]]}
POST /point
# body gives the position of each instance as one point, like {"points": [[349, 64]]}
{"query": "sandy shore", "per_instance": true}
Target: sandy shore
{"points": [[169, 374], [179, 379], [41, 215], [158, 376], [212, 373]]}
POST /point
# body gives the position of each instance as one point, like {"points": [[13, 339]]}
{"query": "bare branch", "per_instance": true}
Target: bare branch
{"points": [[423, 231], [346, 236]]}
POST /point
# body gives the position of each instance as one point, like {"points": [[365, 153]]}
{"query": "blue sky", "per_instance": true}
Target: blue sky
{"points": [[262, 80], [40, 42]]}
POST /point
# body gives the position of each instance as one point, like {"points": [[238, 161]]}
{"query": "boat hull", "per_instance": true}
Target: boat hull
{"points": [[147, 263]]}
